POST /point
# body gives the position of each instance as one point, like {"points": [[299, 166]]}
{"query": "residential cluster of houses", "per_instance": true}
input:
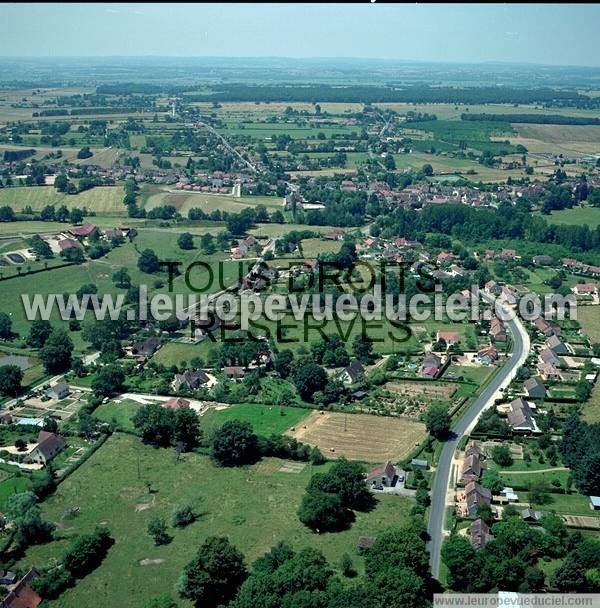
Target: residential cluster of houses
{"points": [[580, 268], [78, 236], [215, 182]]}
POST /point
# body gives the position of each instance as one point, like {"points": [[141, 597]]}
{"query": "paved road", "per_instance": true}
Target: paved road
{"points": [[441, 482]]}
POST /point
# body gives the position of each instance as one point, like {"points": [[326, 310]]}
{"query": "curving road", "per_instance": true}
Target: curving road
{"points": [[439, 491]]}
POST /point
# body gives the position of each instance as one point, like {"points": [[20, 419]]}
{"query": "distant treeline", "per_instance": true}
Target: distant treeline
{"points": [[542, 119], [372, 94], [354, 93]]}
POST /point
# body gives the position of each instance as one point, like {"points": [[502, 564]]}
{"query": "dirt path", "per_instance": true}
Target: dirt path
{"points": [[535, 471]]}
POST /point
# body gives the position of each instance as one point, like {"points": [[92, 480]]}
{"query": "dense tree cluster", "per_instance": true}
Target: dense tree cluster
{"points": [[580, 449], [470, 224], [331, 498], [541, 119], [509, 562], [417, 93], [162, 426]]}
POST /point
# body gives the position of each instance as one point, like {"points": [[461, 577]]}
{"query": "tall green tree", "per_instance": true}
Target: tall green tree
{"points": [[215, 574], [56, 354]]}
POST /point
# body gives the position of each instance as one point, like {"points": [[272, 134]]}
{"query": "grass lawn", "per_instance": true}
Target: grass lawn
{"points": [[173, 353], [571, 504], [265, 419], [118, 413], [525, 479], [254, 506], [591, 409]]}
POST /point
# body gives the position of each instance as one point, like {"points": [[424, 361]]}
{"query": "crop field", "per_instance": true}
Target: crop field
{"points": [[439, 392], [572, 140], [244, 109], [473, 134], [184, 201], [265, 131], [265, 419], [450, 111], [360, 436], [254, 506], [101, 199]]}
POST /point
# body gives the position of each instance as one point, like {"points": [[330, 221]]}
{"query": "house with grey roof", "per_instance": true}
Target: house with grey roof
{"points": [[59, 391], [534, 388], [520, 417], [48, 446]]}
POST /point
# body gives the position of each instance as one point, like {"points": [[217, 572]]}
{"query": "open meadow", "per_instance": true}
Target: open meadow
{"points": [[254, 506]]}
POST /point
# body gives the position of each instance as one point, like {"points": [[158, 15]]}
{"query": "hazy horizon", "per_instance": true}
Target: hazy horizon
{"points": [[553, 35]]}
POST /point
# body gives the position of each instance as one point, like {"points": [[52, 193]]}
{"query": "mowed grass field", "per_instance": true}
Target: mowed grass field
{"points": [[265, 419], [311, 248], [363, 437], [589, 319], [102, 199], [445, 166], [184, 201], [591, 409], [118, 413], [578, 216], [254, 506]]}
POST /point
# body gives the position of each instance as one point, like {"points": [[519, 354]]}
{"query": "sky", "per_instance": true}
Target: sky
{"points": [[565, 34]]}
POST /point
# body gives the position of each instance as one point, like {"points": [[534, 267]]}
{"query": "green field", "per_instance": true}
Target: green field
{"points": [[591, 409], [276, 230], [99, 272], [254, 506], [184, 201], [101, 199], [577, 216], [118, 413], [311, 248], [446, 166], [589, 319], [572, 504], [265, 419]]}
